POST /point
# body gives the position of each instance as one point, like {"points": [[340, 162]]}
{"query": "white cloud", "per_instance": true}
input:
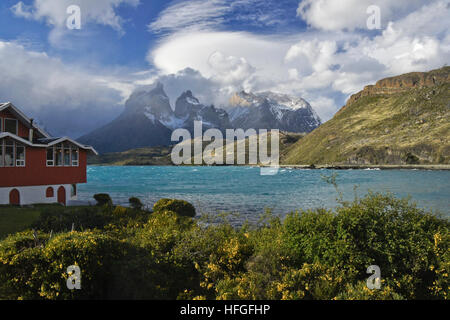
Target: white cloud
{"points": [[316, 55], [230, 69], [213, 14], [54, 13], [195, 49], [323, 64], [192, 14], [320, 65], [324, 106], [352, 14], [71, 97]]}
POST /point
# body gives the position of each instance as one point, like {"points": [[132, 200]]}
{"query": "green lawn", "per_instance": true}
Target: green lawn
{"points": [[14, 219]]}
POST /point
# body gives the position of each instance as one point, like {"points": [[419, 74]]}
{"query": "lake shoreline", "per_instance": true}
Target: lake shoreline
{"points": [[445, 167], [372, 167]]}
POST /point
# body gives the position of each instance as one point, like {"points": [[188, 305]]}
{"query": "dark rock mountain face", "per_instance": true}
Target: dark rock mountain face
{"points": [[189, 109], [148, 119], [138, 126]]}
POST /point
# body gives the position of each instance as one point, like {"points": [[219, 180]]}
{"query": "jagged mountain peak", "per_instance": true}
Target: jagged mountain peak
{"points": [[248, 99], [152, 103], [272, 110], [244, 99], [189, 98], [149, 118]]}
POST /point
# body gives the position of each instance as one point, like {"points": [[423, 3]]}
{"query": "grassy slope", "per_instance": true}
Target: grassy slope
{"points": [[14, 219], [161, 155], [382, 129], [142, 156]]}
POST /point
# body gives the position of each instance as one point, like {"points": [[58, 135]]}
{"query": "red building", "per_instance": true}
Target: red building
{"points": [[34, 167]]}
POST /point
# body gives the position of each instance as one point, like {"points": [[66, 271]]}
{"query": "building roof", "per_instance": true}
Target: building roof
{"points": [[25, 120], [45, 142], [48, 142]]}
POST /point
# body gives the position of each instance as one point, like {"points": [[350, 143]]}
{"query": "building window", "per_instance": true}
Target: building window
{"points": [[1, 152], [63, 154], [49, 193], [59, 159], [73, 190], [11, 126], [12, 154], [50, 157], [9, 153], [66, 155], [20, 155], [75, 157]]}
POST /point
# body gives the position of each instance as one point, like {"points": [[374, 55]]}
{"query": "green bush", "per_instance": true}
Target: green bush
{"points": [[314, 254], [60, 219], [180, 207], [158, 238], [376, 230], [33, 270], [136, 203], [103, 199]]}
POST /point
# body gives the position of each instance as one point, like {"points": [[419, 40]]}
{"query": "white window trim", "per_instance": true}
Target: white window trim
{"points": [[14, 154], [16, 163], [54, 157], [2, 153], [61, 154], [64, 156], [24, 154], [76, 150]]}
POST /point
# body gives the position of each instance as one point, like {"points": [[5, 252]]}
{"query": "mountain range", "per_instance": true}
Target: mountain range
{"points": [[148, 118]]}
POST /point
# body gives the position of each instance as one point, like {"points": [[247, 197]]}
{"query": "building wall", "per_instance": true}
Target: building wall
{"points": [[36, 172], [35, 194], [24, 132]]}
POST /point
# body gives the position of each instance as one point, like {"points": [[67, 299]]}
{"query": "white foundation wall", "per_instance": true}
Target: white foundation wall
{"points": [[36, 194]]}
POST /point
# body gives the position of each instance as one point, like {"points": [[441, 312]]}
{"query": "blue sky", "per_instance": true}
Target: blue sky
{"points": [[322, 50]]}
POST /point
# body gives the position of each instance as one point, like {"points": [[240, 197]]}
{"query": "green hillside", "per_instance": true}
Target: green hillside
{"points": [[162, 155], [400, 120], [134, 157]]}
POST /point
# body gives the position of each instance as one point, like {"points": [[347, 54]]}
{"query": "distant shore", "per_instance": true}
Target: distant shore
{"points": [[318, 166], [372, 167]]}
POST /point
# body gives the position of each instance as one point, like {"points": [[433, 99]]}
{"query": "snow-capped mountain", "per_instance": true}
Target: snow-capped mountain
{"points": [[188, 108], [269, 110], [148, 119], [144, 122]]}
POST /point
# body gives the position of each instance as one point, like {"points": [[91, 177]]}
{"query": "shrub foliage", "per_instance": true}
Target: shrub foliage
{"points": [[127, 253], [180, 207]]}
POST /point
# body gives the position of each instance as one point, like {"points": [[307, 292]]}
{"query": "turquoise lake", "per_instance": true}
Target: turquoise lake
{"points": [[243, 190]]}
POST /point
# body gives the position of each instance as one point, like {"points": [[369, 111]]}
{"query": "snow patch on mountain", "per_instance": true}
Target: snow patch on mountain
{"points": [[237, 112], [192, 100], [173, 122]]}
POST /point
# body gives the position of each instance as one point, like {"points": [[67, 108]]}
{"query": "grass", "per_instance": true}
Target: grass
{"points": [[381, 129], [15, 219], [134, 157]]}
